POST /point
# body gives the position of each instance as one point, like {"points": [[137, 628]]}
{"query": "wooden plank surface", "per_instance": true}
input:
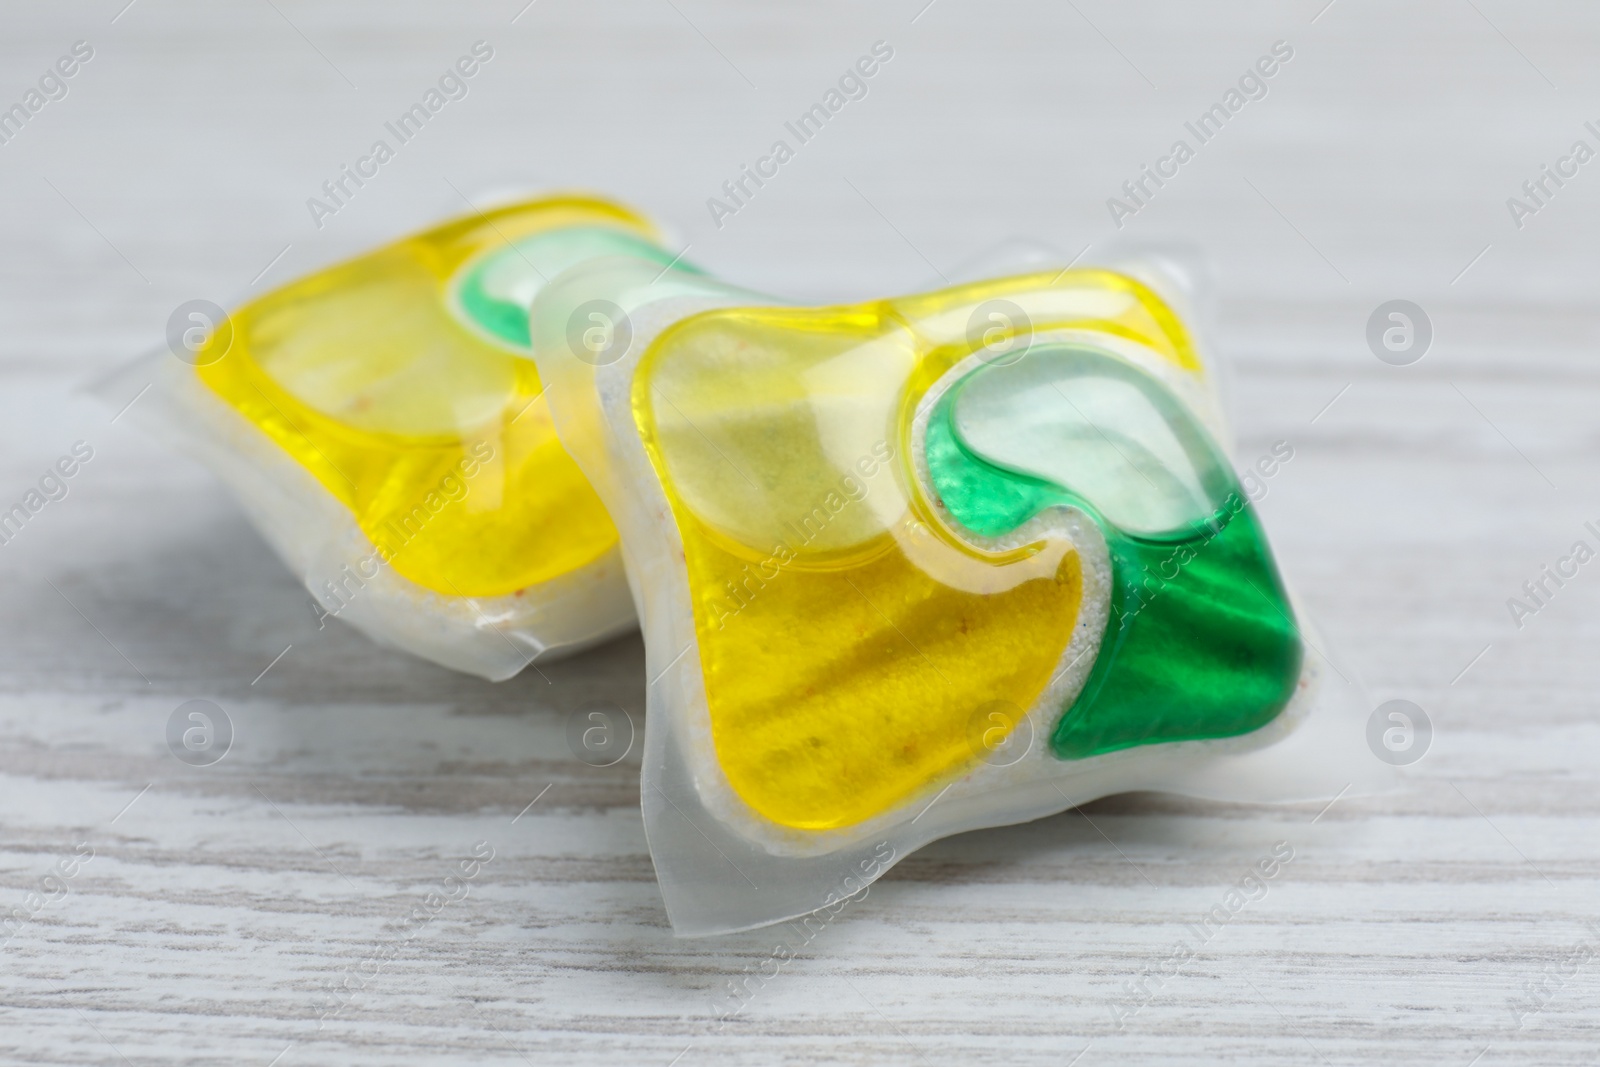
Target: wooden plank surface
{"points": [[223, 906]]}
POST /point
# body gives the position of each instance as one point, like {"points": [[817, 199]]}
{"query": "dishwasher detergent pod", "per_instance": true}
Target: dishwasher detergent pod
{"points": [[916, 566], [381, 423]]}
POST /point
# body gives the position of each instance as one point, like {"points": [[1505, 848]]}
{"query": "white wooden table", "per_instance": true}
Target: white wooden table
{"points": [[223, 904]]}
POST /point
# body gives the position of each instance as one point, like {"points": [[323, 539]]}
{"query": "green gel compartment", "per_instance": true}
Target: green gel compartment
{"points": [[1200, 641], [493, 294]]}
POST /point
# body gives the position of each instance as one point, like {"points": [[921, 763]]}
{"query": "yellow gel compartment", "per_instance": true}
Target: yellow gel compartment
{"points": [[433, 434], [843, 675]]}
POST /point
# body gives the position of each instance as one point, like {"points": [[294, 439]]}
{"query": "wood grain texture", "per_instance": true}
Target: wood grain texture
{"points": [[224, 905]]}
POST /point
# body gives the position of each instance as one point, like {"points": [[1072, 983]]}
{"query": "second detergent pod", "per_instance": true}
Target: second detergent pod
{"points": [[384, 427]]}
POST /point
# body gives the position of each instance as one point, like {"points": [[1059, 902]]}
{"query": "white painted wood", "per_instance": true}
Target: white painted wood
{"points": [[223, 904]]}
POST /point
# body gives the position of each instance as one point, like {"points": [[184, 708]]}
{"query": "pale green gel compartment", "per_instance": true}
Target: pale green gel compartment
{"points": [[492, 294], [1116, 441]]}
